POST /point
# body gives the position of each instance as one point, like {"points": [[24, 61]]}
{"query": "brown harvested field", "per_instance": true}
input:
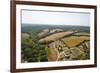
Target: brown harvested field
{"points": [[25, 35], [25, 38], [72, 41], [82, 34], [55, 36], [51, 54]]}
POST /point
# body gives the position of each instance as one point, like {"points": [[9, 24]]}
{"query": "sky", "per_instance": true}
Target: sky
{"points": [[55, 18]]}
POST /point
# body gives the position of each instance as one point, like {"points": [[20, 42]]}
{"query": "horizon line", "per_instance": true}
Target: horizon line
{"points": [[51, 24]]}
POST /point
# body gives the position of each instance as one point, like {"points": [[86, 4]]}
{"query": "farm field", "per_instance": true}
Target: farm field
{"points": [[44, 43]]}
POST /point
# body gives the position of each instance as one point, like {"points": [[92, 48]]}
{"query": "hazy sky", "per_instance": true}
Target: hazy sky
{"points": [[55, 18]]}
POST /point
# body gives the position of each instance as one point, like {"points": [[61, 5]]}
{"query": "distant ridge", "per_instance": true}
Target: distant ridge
{"points": [[27, 24]]}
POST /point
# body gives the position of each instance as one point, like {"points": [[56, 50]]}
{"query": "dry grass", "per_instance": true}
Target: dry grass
{"points": [[25, 35], [55, 36], [51, 54], [82, 34], [72, 41]]}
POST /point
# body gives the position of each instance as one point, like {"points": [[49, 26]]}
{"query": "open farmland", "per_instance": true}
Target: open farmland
{"points": [[75, 40], [43, 43], [82, 34], [55, 36]]}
